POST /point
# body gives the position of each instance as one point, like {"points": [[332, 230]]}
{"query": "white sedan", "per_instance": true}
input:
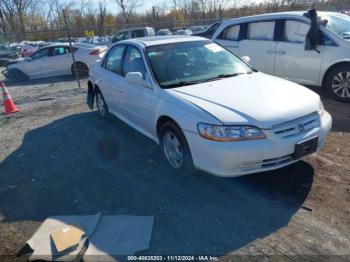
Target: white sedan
{"points": [[54, 60], [206, 107]]}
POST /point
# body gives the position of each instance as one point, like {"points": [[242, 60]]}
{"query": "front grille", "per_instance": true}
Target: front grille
{"points": [[267, 163], [297, 126]]}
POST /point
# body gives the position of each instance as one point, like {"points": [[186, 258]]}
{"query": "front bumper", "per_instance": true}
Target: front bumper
{"points": [[230, 159]]}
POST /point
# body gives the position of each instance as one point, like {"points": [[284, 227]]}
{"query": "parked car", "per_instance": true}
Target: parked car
{"points": [[54, 60], [284, 45], [206, 107], [133, 33], [183, 32], [209, 31], [197, 28], [162, 32]]}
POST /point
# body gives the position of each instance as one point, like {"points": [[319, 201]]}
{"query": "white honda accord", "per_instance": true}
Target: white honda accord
{"points": [[206, 107]]}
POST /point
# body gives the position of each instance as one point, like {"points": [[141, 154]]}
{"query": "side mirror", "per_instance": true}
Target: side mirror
{"points": [[246, 59], [28, 59], [135, 78]]}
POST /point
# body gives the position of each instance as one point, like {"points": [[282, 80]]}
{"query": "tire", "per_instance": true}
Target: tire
{"points": [[82, 70], [182, 162], [101, 104], [338, 83], [16, 75]]}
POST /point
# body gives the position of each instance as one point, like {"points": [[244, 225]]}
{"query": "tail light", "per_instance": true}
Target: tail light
{"points": [[97, 51]]}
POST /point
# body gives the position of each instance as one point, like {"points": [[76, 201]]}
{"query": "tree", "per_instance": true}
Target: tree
{"points": [[102, 10], [128, 8]]}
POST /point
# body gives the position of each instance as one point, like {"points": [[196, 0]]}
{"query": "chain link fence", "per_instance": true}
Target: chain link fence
{"points": [[24, 45]]}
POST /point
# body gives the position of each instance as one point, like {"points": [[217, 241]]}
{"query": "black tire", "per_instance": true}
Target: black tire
{"points": [[80, 69], [336, 87], [186, 167], [16, 75], [101, 104]]}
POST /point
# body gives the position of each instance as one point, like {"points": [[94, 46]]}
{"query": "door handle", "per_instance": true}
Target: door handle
{"points": [[99, 80], [281, 52], [270, 52]]}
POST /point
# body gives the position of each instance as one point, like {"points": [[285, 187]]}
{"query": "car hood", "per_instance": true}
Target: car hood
{"points": [[256, 99]]}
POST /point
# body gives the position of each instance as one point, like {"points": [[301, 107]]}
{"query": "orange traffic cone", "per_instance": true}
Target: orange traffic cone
{"points": [[10, 107]]}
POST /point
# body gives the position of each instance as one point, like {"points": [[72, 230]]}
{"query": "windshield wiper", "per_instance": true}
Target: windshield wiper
{"points": [[181, 83], [229, 75], [222, 76]]}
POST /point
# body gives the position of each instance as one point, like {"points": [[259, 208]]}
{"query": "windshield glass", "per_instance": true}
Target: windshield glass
{"points": [[179, 64], [339, 24]]}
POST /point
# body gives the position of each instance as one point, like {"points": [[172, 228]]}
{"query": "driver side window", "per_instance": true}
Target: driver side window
{"points": [[295, 31], [40, 54], [114, 59], [133, 62]]}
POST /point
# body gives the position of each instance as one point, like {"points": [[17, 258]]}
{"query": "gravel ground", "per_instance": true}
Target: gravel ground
{"points": [[59, 158]]}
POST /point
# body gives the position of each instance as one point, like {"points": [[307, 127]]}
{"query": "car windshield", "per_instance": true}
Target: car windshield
{"points": [[339, 24], [187, 63]]}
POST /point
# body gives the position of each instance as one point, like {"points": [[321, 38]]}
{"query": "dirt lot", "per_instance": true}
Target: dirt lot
{"points": [[59, 158]]}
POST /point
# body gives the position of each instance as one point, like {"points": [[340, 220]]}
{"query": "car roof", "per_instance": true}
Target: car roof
{"points": [[156, 40], [276, 15]]}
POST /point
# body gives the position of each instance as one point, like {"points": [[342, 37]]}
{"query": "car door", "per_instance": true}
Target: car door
{"points": [[258, 43], [138, 98], [61, 60], [110, 81], [292, 61], [37, 65]]}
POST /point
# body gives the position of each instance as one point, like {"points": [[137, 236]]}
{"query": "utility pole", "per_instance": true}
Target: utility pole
{"points": [[71, 49]]}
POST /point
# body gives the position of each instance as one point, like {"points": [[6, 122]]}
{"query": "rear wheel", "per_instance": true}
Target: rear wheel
{"points": [[101, 104], [338, 83], [175, 148], [16, 75], [80, 69]]}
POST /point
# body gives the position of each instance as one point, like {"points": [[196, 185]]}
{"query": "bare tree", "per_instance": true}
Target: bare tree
{"points": [[128, 8], [102, 10]]}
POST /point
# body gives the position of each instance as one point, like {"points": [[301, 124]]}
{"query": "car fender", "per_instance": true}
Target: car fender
{"points": [[329, 65], [184, 113]]}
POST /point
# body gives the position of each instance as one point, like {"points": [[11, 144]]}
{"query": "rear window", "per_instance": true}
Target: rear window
{"points": [[261, 31]]}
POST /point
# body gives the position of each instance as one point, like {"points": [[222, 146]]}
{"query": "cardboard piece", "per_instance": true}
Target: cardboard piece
{"points": [[67, 237], [42, 243]]}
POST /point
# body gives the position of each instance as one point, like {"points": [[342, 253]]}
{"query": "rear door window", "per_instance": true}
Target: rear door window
{"points": [[261, 30], [59, 50]]}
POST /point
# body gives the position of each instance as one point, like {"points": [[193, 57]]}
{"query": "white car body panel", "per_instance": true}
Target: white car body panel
{"points": [[264, 101], [290, 60]]}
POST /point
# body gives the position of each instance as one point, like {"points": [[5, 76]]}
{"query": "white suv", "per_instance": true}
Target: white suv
{"points": [[305, 47]]}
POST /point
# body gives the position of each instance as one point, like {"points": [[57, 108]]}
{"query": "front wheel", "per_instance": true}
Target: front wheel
{"points": [[175, 148], [16, 75], [338, 83], [101, 104]]}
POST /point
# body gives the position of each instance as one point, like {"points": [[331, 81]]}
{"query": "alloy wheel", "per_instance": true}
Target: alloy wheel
{"points": [[173, 149], [341, 84], [100, 104]]}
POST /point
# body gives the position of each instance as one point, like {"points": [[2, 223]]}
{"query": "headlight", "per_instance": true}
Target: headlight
{"points": [[229, 133], [320, 108]]}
